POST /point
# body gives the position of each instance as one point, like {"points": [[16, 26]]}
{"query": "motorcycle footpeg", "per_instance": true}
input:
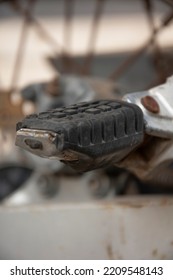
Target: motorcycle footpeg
{"points": [[86, 136]]}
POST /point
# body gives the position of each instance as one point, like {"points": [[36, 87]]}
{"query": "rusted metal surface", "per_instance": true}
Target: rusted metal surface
{"points": [[9, 113], [150, 104]]}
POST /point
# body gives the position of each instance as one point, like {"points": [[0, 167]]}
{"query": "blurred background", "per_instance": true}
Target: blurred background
{"points": [[59, 52], [99, 35]]}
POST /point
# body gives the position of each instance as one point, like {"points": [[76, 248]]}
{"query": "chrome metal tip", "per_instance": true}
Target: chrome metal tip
{"points": [[39, 142]]}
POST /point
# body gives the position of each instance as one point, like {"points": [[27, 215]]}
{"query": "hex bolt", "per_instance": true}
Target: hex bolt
{"points": [[150, 104]]}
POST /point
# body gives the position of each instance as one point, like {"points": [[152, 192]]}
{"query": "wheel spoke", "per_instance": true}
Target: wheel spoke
{"points": [[41, 30], [93, 36], [157, 56], [66, 59], [121, 69], [22, 44]]}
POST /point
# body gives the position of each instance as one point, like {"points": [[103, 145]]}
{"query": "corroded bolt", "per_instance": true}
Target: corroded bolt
{"points": [[150, 104]]}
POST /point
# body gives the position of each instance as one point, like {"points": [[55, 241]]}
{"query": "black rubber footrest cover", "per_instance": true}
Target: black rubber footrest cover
{"points": [[106, 130]]}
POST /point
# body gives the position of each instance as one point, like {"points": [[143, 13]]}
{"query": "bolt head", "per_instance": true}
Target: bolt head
{"points": [[150, 104]]}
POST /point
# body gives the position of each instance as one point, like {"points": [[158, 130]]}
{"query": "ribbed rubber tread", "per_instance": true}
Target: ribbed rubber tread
{"points": [[95, 128]]}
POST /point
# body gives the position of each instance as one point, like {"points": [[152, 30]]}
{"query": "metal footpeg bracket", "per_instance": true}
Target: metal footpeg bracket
{"points": [[87, 135], [157, 107]]}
